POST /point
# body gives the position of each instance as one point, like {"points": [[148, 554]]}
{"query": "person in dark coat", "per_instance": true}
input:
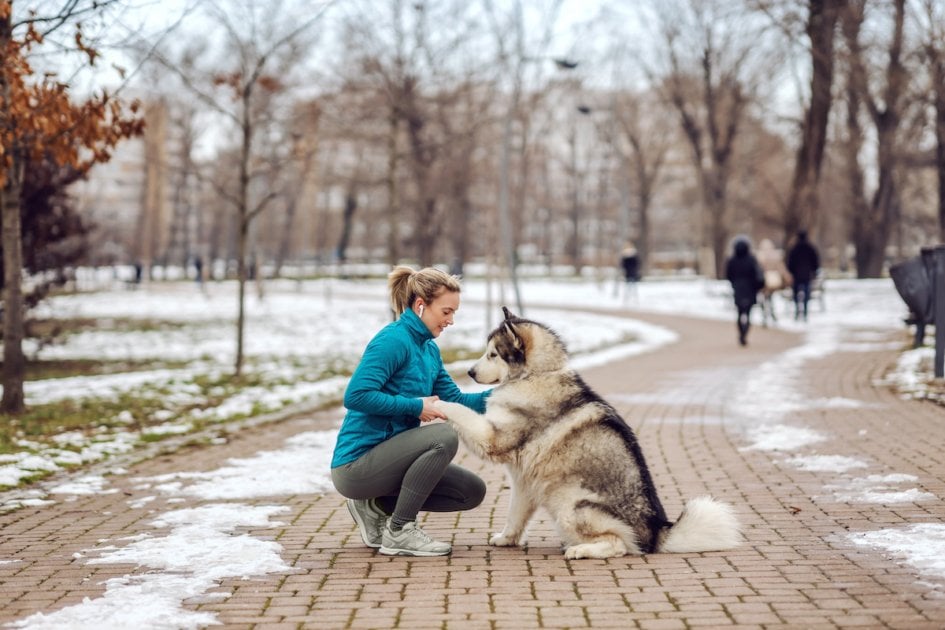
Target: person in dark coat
{"points": [[630, 264], [803, 263], [747, 278]]}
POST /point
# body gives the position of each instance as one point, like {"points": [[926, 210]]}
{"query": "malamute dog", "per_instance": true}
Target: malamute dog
{"points": [[570, 452]]}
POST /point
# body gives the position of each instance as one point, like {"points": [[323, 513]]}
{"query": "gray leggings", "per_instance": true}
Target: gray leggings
{"points": [[411, 472]]}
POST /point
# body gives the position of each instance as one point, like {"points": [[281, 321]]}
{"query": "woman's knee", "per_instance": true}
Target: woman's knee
{"points": [[443, 436], [477, 492]]}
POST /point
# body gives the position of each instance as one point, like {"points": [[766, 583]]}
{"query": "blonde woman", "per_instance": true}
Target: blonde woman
{"points": [[391, 459]]}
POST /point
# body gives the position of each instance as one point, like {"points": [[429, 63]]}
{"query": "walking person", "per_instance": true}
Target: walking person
{"points": [[777, 277], [745, 275], [391, 459], [630, 265], [803, 263]]}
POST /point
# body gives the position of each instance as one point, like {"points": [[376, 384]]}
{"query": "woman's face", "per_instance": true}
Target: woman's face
{"points": [[438, 314]]}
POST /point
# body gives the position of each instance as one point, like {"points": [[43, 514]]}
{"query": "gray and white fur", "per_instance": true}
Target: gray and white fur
{"points": [[568, 451]]}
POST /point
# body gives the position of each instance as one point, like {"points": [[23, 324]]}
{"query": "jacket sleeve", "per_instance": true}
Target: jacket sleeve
{"points": [[365, 392], [445, 387]]}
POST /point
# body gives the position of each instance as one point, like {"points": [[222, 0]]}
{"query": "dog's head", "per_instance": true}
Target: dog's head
{"points": [[516, 348]]}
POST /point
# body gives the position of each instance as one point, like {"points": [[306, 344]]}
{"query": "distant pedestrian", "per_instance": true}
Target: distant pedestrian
{"points": [[777, 277], [139, 272], [198, 269], [747, 278], [630, 265], [803, 262]]}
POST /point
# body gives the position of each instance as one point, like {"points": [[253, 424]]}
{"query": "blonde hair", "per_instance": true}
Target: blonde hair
{"points": [[406, 284]]}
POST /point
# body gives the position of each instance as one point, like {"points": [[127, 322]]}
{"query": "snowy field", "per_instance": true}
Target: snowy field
{"points": [[301, 329]]}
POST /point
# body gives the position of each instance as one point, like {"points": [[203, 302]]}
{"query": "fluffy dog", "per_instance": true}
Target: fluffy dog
{"points": [[568, 451]]}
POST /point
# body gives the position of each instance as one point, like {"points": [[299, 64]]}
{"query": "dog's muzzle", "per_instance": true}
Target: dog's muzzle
{"points": [[472, 373]]}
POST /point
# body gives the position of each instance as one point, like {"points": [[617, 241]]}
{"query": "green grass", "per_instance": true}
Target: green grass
{"points": [[61, 368], [145, 406]]}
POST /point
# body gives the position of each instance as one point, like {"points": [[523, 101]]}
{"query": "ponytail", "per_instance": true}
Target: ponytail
{"points": [[406, 284]]}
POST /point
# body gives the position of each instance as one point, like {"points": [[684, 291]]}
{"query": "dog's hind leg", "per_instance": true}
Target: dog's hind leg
{"points": [[605, 547], [592, 533], [522, 507]]}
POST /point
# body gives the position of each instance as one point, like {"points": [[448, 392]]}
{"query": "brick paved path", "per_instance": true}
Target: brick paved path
{"points": [[687, 403]]}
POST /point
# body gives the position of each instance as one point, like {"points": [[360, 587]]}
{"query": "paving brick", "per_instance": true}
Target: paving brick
{"points": [[795, 569]]}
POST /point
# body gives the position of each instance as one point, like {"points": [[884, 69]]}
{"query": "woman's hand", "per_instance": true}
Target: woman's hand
{"points": [[430, 412]]}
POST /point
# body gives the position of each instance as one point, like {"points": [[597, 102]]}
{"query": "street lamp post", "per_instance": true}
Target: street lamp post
{"points": [[505, 161]]}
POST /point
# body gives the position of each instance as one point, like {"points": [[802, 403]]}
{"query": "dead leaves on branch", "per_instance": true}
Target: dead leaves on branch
{"points": [[238, 83], [39, 120]]}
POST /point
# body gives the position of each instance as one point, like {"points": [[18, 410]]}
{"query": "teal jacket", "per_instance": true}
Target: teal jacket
{"points": [[399, 366]]}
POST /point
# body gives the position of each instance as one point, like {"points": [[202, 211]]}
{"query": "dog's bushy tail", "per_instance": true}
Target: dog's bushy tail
{"points": [[704, 525]]}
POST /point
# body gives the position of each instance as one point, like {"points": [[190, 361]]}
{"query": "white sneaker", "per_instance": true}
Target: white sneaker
{"points": [[370, 519], [412, 541]]}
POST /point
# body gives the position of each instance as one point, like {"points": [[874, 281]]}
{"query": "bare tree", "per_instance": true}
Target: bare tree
{"points": [[642, 142], [303, 140], [415, 82], [514, 57], [803, 206], [261, 45], [39, 122], [873, 220], [709, 83]]}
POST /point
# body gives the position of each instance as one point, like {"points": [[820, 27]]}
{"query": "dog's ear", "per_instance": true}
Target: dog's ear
{"points": [[518, 342], [513, 345]]}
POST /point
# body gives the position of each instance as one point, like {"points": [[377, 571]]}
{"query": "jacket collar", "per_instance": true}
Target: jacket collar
{"points": [[418, 330]]}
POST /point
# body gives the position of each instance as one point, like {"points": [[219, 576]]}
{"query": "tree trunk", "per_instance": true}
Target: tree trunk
{"points": [[427, 231], [940, 161], [803, 206], [285, 239], [460, 232], [938, 73], [393, 201], [717, 205], [574, 245], [874, 221], [644, 201], [241, 281], [647, 175], [14, 363], [244, 220], [351, 206], [852, 146]]}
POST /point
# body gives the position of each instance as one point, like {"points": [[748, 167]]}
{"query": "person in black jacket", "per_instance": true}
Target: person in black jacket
{"points": [[803, 263], [747, 278], [630, 264]]}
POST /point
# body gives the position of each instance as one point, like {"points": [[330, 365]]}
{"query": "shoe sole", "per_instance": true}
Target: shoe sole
{"points": [[362, 529], [388, 551]]}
